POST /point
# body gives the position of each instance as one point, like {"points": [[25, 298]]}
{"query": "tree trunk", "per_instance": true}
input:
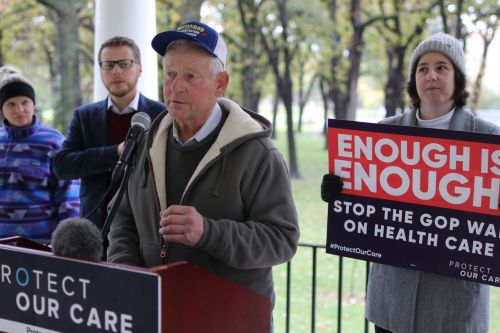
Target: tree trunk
{"points": [[69, 63], [394, 86], [337, 93], [286, 97], [67, 59], [249, 54], [459, 33], [323, 82], [49, 54], [397, 43], [276, 102], [1, 51], [336, 86], [282, 74], [355, 54], [304, 95], [301, 76], [476, 90], [344, 93], [444, 16]]}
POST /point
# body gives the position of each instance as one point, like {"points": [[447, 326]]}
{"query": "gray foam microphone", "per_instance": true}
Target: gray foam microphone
{"points": [[77, 238]]}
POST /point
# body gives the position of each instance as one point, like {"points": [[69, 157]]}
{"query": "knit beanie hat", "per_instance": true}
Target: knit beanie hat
{"points": [[442, 43], [12, 84]]}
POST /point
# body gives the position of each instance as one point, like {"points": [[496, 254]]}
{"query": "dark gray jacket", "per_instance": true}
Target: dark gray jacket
{"points": [[242, 189], [409, 301]]}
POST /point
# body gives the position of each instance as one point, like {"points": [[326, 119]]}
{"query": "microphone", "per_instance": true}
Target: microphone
{"points": [[77, 237], [140, 123]]}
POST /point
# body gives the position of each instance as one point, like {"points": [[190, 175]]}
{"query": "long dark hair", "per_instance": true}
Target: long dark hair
{"points": [[459, 95]]}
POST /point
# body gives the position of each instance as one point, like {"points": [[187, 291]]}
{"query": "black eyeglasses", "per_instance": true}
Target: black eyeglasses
{"points": [[110, 64]]}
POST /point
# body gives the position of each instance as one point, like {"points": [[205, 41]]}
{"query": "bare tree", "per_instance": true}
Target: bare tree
{"points": [[486, 24], [282, 49], [344, 84], [304, 92], [250, 53], [455, 20], [398, 41], [323, 88]]}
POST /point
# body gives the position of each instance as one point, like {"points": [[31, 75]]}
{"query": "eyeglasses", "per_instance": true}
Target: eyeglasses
{"points": [[110, 64]]}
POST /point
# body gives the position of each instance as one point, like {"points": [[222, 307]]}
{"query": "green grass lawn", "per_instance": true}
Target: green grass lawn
{"points": [[312, 219]]}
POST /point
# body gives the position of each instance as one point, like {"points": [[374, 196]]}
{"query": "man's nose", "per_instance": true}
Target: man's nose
{"points": [[116, 68], [177, 84]]}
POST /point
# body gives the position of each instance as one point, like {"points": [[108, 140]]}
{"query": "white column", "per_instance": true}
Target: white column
{"points": [[135, 19]]}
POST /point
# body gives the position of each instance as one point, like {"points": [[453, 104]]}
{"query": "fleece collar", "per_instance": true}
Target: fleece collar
{"points": [[240, 126], [21, 132]]}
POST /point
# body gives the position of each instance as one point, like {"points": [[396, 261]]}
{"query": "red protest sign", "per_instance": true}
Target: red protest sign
{"points": [[418, 198]]}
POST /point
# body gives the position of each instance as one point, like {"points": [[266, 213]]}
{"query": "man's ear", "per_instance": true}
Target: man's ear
{"points": [[222, 83]]}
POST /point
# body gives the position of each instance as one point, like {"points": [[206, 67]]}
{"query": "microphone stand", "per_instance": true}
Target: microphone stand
{"points": [[109, 218]]}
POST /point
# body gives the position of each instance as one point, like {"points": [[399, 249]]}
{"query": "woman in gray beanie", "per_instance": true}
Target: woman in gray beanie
{"points": [[401, 300]]}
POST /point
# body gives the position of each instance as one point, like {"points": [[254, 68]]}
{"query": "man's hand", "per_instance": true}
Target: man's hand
{"points": [[330, 187], [181, 224], [120, 148]]}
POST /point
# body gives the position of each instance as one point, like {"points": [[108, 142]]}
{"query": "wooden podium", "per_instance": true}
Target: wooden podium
{"points": [[182, 298], [194, 300]]}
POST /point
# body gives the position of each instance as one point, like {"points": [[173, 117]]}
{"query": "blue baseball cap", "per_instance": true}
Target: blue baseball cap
{"points": [[197, 32]]}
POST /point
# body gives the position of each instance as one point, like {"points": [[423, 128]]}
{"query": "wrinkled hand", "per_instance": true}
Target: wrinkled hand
{"points": [[181, 224], [330, 187]]}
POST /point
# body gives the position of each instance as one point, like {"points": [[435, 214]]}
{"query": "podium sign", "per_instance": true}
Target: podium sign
{"points": [[45, 293]]}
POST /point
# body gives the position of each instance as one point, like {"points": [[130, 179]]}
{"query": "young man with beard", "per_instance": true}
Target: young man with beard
{"points": [[95, 139]]}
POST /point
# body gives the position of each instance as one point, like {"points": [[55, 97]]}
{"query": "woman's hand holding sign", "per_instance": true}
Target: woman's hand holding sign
{"points": [[330, 187]]}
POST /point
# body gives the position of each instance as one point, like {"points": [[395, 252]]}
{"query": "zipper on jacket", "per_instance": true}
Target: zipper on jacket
{"points": [[163, 252], [164, 247]]}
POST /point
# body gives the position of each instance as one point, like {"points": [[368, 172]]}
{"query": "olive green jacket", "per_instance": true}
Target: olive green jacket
{"points": [[242, 189]]}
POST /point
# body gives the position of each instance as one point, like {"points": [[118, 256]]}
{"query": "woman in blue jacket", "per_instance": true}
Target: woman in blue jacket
{"points": [[33, 199]]}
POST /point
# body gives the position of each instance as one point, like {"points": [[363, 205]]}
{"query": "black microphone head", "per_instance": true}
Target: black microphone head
{"points": [[141, 119], [78, 238]]}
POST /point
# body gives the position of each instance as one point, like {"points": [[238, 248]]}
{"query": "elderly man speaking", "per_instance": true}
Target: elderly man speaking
{"points": [[208, 185]]}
